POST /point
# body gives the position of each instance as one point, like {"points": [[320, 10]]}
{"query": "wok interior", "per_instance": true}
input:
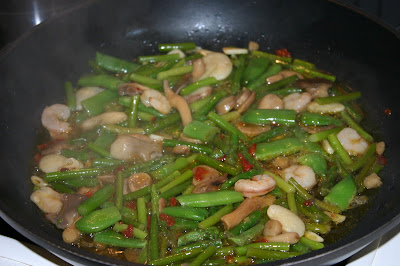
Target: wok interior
{"points": [[360, 52]]}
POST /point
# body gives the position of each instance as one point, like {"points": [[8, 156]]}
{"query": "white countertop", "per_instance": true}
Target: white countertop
{"points": [[383, 251]]}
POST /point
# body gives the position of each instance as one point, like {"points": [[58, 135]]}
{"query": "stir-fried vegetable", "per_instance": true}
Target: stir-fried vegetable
{"points": [[201, 157]]}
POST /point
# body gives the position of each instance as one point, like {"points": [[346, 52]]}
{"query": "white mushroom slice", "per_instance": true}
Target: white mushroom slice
{"points": [[39, 182], [270, 101], [225, 105], [290, 222], [286, 237], [55, 162], [177, 51], [336, 218], [85, 93], [234, 50], [272, 228], [327, 147], [108, 118], [218, 65], [380, 148], [330, 108], [156, 100], [253, 46], [313, 236]]}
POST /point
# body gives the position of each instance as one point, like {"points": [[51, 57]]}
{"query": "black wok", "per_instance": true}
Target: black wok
{"points": [[361, 52]]}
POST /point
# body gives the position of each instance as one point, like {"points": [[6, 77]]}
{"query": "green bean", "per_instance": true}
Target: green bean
{"points": [[119, 186], [273, 57], [158, 58], [99, 150], [122, 130], [338, 148], [220, 166], [286, 91], [247, 223], [270, 150], [196, 85], [163, 123], [255, 67], [300, 190], [355, 114], [62, 188], [341, 194], [178, 180], [191, 213], [133, 111], [174, 72], [314, 119], [168, 169], [316, 161], [192, 146], [258, 253], [98, 220], [268, 116], [94, 105], [312, 213], [268, 135], [237, 76], [112, 238], [106, 81], [154, 249], [262, 90], [202, 257], [200, 244], [199, 130], [299, 62], [210, 103], [83, 172], [114, 64], [126, 102], [323, 134], [184, 224], [81, 182], [349, 121], [105, 162], [225, 125], [175, 190], [271, 246], [154, 201], [96, 68], [365, 170], [196, 235], [247, 236], [312, 72], [98, 198], [339, 98], [272, 70], [216, 217], [209, 199], [318, 228], [182, 256], [314, 245], [300, 247], [361, 161], [70, 95], [246, 175], [292, 202], [146, 81], [79, 155], [142, 210]]}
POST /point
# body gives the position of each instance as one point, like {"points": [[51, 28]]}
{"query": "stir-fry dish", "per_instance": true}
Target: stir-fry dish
{"points": [[201, 157]]}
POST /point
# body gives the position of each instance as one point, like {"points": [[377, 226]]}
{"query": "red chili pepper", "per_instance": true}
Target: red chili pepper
{"points": [[260, 239], [200, 172], [148, 222], [168, 219], [128, 232], [252, 149], [131, 205], [64, 169], [119, 168], [45, 145], [307, 203], [245, 164], [89, 193], [229, 259], [222, 159], [37, 157], [283, 52], [388, 111], [173, 201], [382, 160]]}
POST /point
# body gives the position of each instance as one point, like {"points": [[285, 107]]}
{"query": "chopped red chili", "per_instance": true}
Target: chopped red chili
{"points": [[130, 204], [388, 111], [148, 222], [307, 203], [260, 239], [222, 159], [128, 232], [37, 157], [252, 149], [119, 168], [283, 52], [382, 160], [168, 219], [173, 201], [64, 169], [245, 164], [200, 172], [89, 193]]}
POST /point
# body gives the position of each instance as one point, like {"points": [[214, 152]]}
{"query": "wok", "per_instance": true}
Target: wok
{"points": [[33, 69]]}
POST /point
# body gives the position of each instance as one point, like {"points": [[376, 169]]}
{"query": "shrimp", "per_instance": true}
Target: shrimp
{"points": [[48, 200], [352, 142], [256, 186], [85, 93], [53, 119], [303, 174], [297, 101], [156, 100], [104, 119], [281, 75], [56, 162], [217, 65], [270, 101]]}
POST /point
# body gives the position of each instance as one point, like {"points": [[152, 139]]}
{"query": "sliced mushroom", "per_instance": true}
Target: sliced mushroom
{"points": [[210, 185], [272, 228], [252, 130], [286, 237], [198, 94], [131, 88], [137, 181], [225, 105], [179, 103], [317, 87]]}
